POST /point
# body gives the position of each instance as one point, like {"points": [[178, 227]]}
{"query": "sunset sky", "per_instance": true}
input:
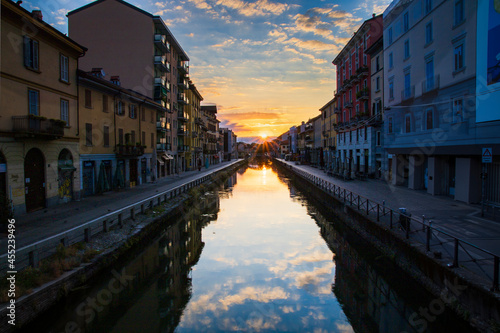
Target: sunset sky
{"points": [[266, 64]]}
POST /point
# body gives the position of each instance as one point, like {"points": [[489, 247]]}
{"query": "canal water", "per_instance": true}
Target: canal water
{"points": [[255, 256]]}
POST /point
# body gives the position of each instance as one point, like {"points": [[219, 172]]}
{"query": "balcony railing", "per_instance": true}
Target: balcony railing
{"points": [[183, 84], [129, 150], [162, 63], [430, 84], [182, 148], [161, 42], [183, 67], [182, 98], [348, 105], [35, 126], [181, 131], [182, 116], [362, 71], [161, 124], [199, 121], [163, 146], [363, 94]]}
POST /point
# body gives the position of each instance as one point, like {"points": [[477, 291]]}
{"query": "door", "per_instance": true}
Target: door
{"points": [[144, 167], [34, 180], [88, 178], [133, 172]]}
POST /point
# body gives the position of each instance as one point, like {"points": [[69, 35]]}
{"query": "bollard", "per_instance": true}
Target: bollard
{"points": [[390, 223], [159, 200], [428, 239], [359, 202], [120, 221], [142, 208], [455, 256], [132, 213], [105, 226], [367, 207], [378, 213]]}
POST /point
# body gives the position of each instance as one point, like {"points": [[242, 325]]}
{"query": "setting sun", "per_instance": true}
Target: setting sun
{"points": [[263, 135]]}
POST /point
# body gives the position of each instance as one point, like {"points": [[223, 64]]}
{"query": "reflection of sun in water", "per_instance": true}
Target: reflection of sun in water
{"points": [[264, 174]]}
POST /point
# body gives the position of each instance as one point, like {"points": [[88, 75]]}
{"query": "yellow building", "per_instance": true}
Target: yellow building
{"points": [[118, 134], [195, 153], [39, 158], [328, 134]]}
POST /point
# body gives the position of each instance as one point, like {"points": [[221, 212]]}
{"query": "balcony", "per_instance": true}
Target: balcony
{"points": [[38, 127], [161, 125], [430, 85], [348, 105], [183, 67], [161, 43], [363, 94], [181, 132], [355, 79], [408, 93], [162, 64], [337, 110], [199, 121], [194, 134], [362, 72], [182, 99], [348, 83], [160, 92], [182, 116], [163, 146], [129, 150], [183, 84], [183, 148]]}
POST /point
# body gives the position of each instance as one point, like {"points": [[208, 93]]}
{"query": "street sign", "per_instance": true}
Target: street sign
{"points": [[487, 155]]}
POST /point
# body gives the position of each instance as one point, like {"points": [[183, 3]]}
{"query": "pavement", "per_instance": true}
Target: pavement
{"points": [[458, 219], [41, 224]]}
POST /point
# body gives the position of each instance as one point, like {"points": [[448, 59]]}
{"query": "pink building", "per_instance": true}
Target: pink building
{"points": [[357, 123]]}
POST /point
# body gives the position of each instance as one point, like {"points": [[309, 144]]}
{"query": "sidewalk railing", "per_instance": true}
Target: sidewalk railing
{"points": [[30, 255], [442, 245]]}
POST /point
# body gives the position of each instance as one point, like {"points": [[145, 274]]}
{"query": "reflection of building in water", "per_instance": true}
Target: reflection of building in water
{"points": [[232, 181]]}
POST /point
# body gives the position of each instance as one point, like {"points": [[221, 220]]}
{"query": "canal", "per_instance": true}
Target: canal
{"points": [[254, 255]]}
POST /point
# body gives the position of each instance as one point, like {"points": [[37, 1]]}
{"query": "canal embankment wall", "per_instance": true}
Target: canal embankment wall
{"points": [[454, 287], [136, 226]]}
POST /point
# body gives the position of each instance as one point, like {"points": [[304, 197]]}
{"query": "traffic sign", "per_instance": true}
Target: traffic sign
{"points": [[487, 155]]}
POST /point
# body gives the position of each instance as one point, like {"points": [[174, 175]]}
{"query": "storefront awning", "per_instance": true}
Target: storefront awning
{"points": [[167, 157], [160, 162]]}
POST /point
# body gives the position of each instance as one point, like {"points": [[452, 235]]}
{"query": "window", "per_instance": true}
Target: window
{"points": [[406, 22], [350, 136], [407, 123], [407, 90], [407, 48], [429, 119], [366, 133], [63, 68], [365, 59], [389, 127], [33, 102], [88, 98], [65, 111], [391, 60], [88, 134], [378, 139], [132, 137], [390, 36], [119, 108], [428, 33], [428, 6], [377, 83], [106, 136], [459, 57], [132, 111], [105, 103], [458, 12], [429, 74], [120, 136], [377, 63], [152, 140], [143, 142], [391, 89], [30, 53], [458, 110]]}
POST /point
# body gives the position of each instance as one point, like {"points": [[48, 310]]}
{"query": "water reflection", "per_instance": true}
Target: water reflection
{"points": [[250, 256]]}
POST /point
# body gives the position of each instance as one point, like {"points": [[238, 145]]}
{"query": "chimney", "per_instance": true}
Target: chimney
{"points": [[37, 14], [116, 80], [373, 15], [98, 72]]}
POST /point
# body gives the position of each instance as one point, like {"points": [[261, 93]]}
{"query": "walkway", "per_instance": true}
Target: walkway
{"points": [[47, 222], [456, 218]]}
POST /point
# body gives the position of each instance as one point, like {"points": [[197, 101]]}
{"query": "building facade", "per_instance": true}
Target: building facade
{"points": [[355, 128], [39, 133], [328, 122], [118, 135], [141, 49], [431, 132]]}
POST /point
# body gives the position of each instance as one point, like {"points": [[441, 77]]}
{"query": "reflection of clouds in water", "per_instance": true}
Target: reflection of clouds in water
{"points": [[344, 328], [259, 294]]}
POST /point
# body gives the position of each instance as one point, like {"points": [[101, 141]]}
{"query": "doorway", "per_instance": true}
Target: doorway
{"points": [[34, 180]]}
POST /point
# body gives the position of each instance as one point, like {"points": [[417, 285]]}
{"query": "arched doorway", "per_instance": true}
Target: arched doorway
{"points": [[65, 175], [34, 180]]}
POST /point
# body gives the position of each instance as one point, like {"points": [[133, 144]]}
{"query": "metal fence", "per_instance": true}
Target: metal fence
{"points": [[30, 255], [438, 242]]}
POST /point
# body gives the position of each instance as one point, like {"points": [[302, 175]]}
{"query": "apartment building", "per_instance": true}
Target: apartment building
{"points": [[357, 121], [194, 155], [118, 134], [138, 46], [39, 132], [211, 149], [431, 132], [229, 139], [328, 135]]}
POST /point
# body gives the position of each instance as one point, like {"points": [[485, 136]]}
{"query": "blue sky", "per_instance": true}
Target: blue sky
{"points": [[265, 63]]}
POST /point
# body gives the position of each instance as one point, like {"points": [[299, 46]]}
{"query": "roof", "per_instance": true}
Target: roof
{"points": [[327, 104], [111, 86], [16, 8]]}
